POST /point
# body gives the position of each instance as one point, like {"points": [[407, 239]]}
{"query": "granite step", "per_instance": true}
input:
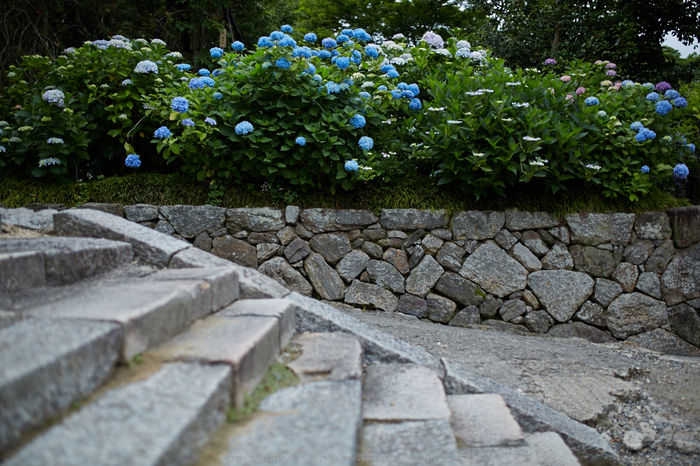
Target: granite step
{"points": [[163, 420], [36, 262]]}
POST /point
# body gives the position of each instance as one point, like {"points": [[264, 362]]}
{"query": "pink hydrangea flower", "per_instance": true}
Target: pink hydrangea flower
{"points": [[611, 66], [570, 97], [580, 90], [610, 73], [566, 78]]}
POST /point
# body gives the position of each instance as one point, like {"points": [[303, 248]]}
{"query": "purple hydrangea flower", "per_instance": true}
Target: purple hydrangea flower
{"points": [[434, 40], [550, 61], [662, 86]]}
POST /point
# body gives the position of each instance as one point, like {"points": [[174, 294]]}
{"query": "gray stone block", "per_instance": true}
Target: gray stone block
{"points": [[414, 442], [413, 219], [440, 309], [403, 392], [21, 270], [149, 312], [326, 220], [279, 270], [560, 292], [197, 258], [548, 449], [284, 310], [315, 423], [235, 250], [664, 342], [148, 245], [297, 250], [626, 275], [685, 223], [652, 225], [378, 346], [497, 456], [385, 275], [538, 321], [483, 421], [512, 309], [46, 364], [324, 279], [164, 419], [638, 252], [332, 246], [595, 229], [685, 321], [591, 313], [223, 282], [424, 276], [526, 258], [606, 291], [649, 283], [580, 330], [660, 258], [291, 214], [332, 356], [533, 241], [494, 270], [367, 294], [460, 289], [558, 258], [477, 225], [352, 265], [467, 316], [25, 218], [681, 280], [114, 208], [254, 219], [189, 221], [593, 261], [256, 285], [588, 446], [450, 256], [517, 220], [248, 344], [412, 305], [140, 212], [635, 313]]}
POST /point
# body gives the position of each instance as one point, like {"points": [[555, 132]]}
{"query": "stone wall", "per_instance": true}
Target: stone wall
{"points": [[597, 276]]}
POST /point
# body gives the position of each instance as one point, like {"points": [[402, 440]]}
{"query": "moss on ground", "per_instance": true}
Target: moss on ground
{"points": [[277, 378]]}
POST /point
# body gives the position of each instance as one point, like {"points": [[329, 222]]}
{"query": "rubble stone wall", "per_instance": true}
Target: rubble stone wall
{"points": [[599, 276]]}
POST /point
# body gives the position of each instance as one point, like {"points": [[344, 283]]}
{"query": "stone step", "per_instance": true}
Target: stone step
{"points": [[34, 262], [46, 364], [248, 336], [163, 420]]}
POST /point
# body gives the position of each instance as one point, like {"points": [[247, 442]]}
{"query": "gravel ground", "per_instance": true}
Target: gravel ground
{"points": [[616, 388]]}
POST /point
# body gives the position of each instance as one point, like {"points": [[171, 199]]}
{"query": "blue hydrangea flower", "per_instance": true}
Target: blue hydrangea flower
{"points": [[216, 52], [663, 107], [329, 43], [277, 35], [243, 128], [637, 126], [344, 86], [196, 83], [332, 87], [653, 96], [184, 67], [592, 101], [349, 82], [645, 169], [342, 38], [132, 161], [204, 72], [162, 133], [648, 86], [145, 67], [358, 121], [393, 74], [334, 59], [365, 143], [127, 82], [2, 149], [187, 122], [210, 121], [342, 62], [301, 141], [645, 134], [364, 95], [265, 42], [691, 148], [361, 35], [348, 32], [387, 68], [671, 94], [351, 166], [407, 94], [334, 53], [372, 51], [207, 81], [286, 28], [680, 102], [324, 54], [317, 78], [311, 70], [356, 57], [627, 83], [382, 88], [310, 37], [217, 72], [402, 86], [217, 95], [238, 46], [301, 52], [180, 104], [54, 141], [396, 93], [415, 105], [287, 41], [54, 96], [283, 63], [680, 172], [415, 89]]}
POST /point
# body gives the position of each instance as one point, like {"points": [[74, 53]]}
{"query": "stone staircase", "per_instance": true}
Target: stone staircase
{"points": [[120, 345]]}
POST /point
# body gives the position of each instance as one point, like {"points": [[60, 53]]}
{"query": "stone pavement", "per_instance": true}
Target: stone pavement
{"points": [[207, 330]]}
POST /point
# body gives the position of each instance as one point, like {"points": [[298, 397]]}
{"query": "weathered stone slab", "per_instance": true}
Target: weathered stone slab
{"points": [[638, 252], [256, 285], [291, 214], [580, 330], [440, 309], [626, 275], [254, 219], [265, 251], [538, 321], [286, 235], [109, 208], [593, 261], [314, 316], [25, 218], [595, 229], [467, 316], [560, 292], [512, 309], [161, 420], [431, 244], [534, 243], [650, 284], [685, 223], [279, 270], [189, 221], [664, 342], [237, 251], [591, 313], [196, 258], [256, 238], [297, 250], [424, 276], [366, 294], [416, 255], [494, 270], [319, 421], [460, 289], [660, 258], [324, 279], [352, 265], [332, 356], [412, 305], [326, 220], [561, 233], [140, 212], [483, 421], [681, 280], [526, 258], [148, 245], [685, 322], [222, 280], [374, 250], [635, 313], [403, 392], [606, 291], [518, 220], [505, 239], [415, 442], [558, 258], [652, 225], [385, 275], [284, 310], [332, 246], [522, 456], [47, 364], [21, 270], [588, 446], [548, 449], [413, 219], [399, 259], [373, 235], [477, 225]]}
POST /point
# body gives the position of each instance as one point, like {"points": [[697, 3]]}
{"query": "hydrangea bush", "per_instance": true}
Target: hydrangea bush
{"points": [[310, 112]]}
